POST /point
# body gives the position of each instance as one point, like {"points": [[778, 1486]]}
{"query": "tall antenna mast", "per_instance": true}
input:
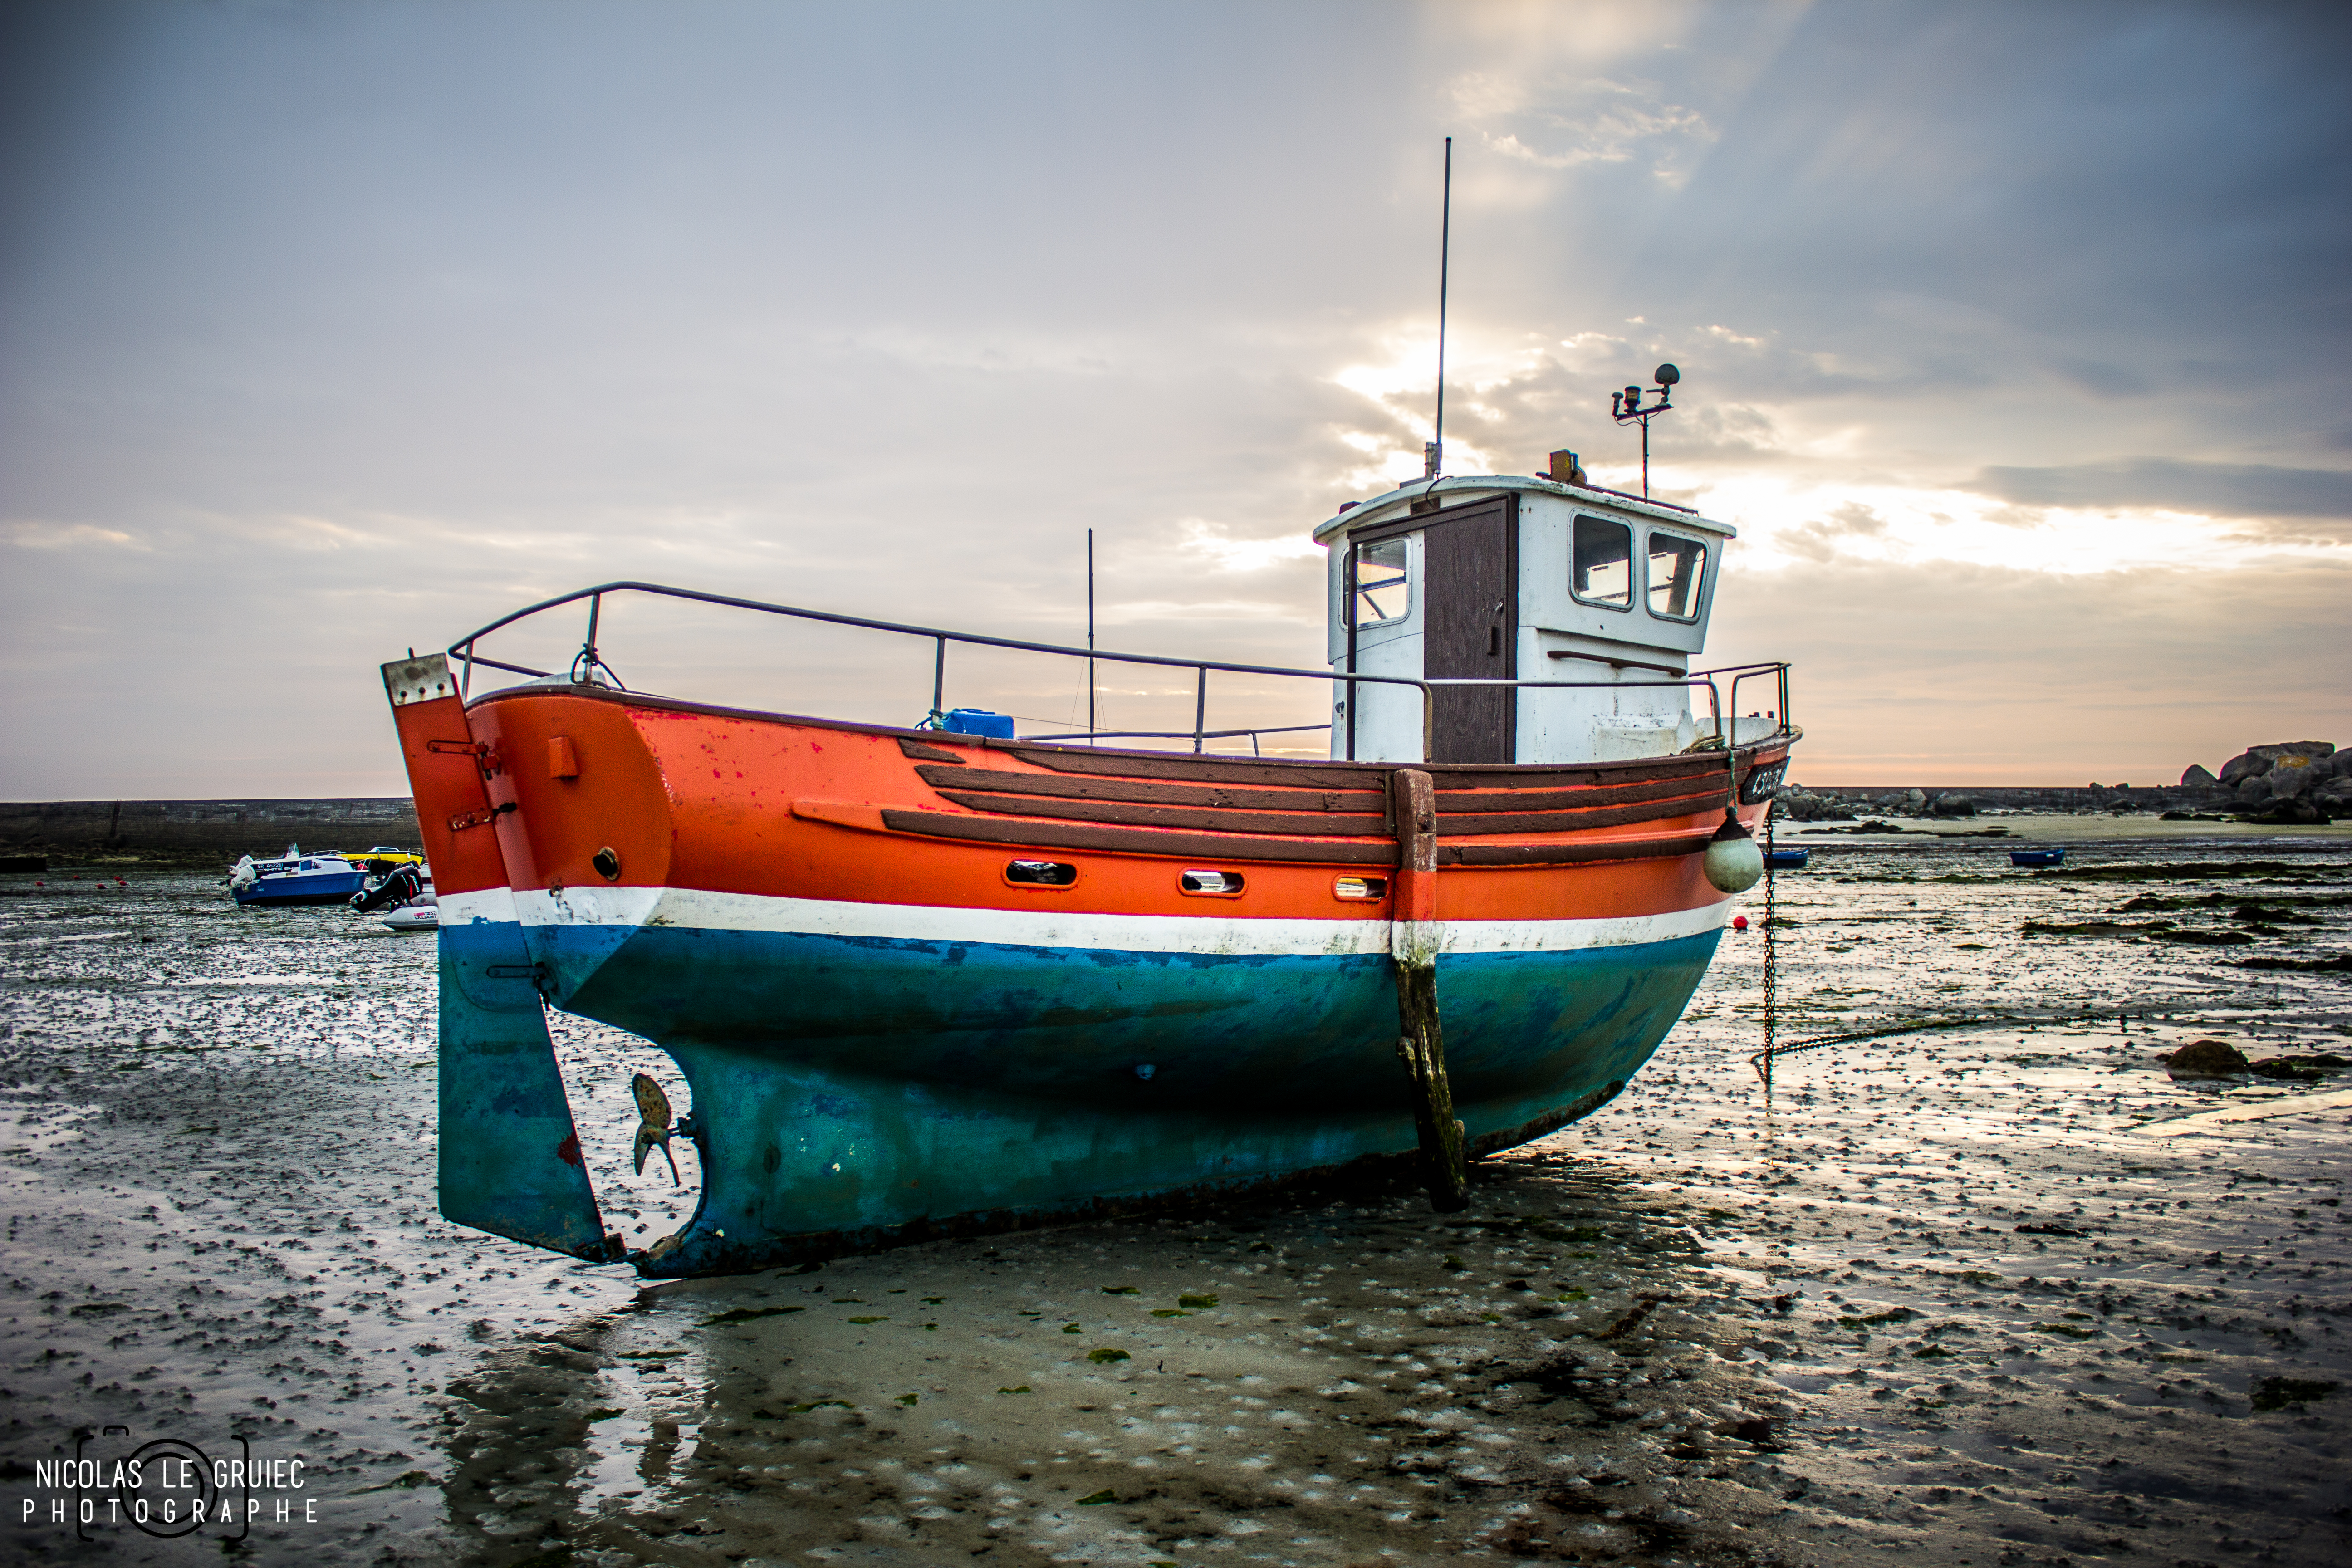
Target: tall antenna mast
{"points": [[1433, 457], [1090, 639]]}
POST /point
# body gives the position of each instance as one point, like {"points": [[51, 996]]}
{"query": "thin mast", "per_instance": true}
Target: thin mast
{"points": [[1090, 637], [1445, 252]]}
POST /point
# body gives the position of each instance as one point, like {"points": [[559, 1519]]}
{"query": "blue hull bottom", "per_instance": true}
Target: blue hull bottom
{"points": [[849, 1092]]}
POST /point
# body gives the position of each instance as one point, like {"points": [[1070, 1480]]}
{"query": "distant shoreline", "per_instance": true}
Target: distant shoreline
{"points": [[172, 834], [185, 834]]}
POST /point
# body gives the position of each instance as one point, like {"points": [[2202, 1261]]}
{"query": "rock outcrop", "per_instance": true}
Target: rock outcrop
{"points": [[2207, 1058], [2198, 778], [2288, 781], [1795, 804], [2257, 759]]}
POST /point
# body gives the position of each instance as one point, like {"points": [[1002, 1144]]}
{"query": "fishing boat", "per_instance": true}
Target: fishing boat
{"points": [[1787, 859], [295, 878], [2038, 856], [929, 980]]}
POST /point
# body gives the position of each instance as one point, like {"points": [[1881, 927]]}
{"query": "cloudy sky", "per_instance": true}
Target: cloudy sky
{"points": [[2013, 339]]}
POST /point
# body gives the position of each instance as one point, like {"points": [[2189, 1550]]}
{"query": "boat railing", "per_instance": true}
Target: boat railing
{"points": [[590, 659]]}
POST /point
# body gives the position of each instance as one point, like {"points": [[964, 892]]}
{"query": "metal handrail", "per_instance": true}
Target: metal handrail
{"points": [[590, 659]]}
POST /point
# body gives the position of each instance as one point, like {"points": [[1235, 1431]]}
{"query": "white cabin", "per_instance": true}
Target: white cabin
{"points": [[1527, 579]]}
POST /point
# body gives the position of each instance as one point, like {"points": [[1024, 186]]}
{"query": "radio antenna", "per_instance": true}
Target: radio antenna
{"points": [[1090, 639], [1434, 457]]}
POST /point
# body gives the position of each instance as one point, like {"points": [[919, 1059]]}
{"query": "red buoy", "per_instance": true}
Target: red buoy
{"points": [[1740, 922]]}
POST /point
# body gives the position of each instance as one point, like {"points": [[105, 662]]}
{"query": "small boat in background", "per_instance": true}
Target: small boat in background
{"points": [[407, 898], [414, 917], [295, 878], [2038, 856], [384, 860], [1787, 859]]}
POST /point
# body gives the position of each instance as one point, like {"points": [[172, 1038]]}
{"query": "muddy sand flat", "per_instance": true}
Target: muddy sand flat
{"points": [[1941, 1294]]}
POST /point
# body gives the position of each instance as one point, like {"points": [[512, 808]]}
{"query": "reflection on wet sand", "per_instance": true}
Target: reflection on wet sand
{"points": [[1942, 1292], [1319, 1381]]}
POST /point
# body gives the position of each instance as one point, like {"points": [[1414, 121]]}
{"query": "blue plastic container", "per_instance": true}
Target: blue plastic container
{"points": [[977, 721]]}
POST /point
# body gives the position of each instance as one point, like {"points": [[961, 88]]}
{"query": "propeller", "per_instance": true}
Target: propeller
{"points": [[655, 1125]]}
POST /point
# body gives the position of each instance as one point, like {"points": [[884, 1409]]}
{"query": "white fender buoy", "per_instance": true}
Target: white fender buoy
{"points": [[1732, 862]]}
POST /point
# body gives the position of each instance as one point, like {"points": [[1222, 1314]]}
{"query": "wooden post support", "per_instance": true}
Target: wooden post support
{"points": [[1414, 937]]}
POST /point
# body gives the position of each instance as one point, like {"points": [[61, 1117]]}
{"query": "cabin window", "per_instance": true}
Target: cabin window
{"points": [[1600, 571], [1221, 883], [1678, 572], [1041, 873], [1383, 583], [1361, 888]]}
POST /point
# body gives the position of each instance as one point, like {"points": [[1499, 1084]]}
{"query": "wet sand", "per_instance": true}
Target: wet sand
{"points": [[1940, 1294]]}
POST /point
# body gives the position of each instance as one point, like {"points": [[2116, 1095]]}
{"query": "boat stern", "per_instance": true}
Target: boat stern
{"points": [[510, 1158]]}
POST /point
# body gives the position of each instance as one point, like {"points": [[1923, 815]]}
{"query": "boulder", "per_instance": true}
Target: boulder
{"points": [[2206, 1059], [2289, 814], [1954, 805], [2333, 795], [1794, 804], [2256, 760], [2255, 793], [2198, 778], [1914, 798], [2289, 776]]}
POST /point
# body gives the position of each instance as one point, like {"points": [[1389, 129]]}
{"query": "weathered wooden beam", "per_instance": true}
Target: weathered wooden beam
{"points": [[1414, 937], [1317, 824]]}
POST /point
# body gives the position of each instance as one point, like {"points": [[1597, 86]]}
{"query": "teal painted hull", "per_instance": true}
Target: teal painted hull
{"points": [[850, 1092]]}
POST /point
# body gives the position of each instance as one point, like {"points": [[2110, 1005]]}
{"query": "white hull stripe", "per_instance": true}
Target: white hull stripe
{"points": [[695, 909]]}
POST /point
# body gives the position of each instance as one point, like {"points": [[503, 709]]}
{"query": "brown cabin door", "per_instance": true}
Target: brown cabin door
{"points": [[1470, 626]]}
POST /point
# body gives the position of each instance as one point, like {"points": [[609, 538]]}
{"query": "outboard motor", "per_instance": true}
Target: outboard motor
{"points": [[402, 885]]}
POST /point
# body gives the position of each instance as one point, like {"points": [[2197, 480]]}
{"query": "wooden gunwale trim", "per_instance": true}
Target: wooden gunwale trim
{"points": [[1049, 836], [1462, 802], [1314, 824], [1450, 777], [1471, 826], [1209, 797], [1455, 777], [1328, 802], [1321, 825], [1052, 836], [1577, 854]]}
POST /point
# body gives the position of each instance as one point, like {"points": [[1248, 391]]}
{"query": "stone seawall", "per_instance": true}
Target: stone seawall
{"points": [[198, 834]]}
